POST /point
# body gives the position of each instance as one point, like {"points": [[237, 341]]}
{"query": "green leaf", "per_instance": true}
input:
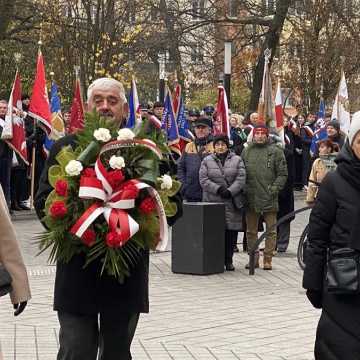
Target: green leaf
{"points": [[55, 173], [65, 155], [170, 209], [53, 196], [176, 185], [90, 154]]}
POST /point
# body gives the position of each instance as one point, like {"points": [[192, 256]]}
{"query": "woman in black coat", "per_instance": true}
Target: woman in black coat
{"points": [[335, 224], [286, 195]]}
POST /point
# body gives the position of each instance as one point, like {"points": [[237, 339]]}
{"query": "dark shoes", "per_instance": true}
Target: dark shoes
{"points": [[229, 267], [19, 206], [15, 206], [24, 207], [247, 266]]}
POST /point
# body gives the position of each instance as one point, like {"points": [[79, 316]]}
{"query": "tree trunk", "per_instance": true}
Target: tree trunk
{"points": [[271, 42], [6, 14]]}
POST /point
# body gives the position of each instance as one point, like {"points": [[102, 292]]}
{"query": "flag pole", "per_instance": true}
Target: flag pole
{"points": [[342, 62], [33, 150]]}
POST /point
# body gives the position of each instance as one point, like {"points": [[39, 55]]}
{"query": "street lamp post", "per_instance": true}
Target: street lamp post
{"points": [[162, 74], [227, 70]]}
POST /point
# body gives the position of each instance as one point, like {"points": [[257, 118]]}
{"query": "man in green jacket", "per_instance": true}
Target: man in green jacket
{"points": [[266, 174]]}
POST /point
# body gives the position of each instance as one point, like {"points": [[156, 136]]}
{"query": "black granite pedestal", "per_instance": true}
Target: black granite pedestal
{"points": [[198, 240]]}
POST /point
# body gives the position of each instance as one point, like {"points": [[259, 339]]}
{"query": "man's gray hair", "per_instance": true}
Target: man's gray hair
{"points": [[106, 84], [3, 101]]}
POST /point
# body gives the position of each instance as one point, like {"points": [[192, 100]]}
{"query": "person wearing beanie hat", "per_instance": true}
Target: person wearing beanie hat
{"points": [[222, 138], [334, 133], [321, 167], [334, 228], [266, 175], [222, 178]]}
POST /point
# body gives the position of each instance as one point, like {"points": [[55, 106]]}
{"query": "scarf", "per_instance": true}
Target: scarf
{"points": [[222, 157]]}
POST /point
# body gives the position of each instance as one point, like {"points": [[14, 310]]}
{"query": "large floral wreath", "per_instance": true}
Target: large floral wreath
{"points": [[109, 200]]}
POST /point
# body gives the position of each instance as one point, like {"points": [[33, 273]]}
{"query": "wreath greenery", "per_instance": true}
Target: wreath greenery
{"points": [[64, 208]]}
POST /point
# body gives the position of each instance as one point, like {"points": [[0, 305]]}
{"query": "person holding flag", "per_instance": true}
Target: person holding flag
{"points": [[14, 134], [286, 194], [39, 110]]}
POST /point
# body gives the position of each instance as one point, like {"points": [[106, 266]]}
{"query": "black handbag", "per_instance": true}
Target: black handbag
{"points": [[342, 276], [5, 281]]}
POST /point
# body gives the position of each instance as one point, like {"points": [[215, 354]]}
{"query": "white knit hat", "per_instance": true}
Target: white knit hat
{"points": [[354, 127]]}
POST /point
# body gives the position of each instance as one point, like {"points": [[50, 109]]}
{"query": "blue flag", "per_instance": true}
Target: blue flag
{"points": [[55, 108], [183, 124], [320, 133], [55, 104], [321, 113], [168, 122], [134, 106]]}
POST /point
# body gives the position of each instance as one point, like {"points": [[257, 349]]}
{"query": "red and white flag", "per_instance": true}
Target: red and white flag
{"points": [[39, 107], [77, 110], [221, 122], [14, 130], [279, 114]]}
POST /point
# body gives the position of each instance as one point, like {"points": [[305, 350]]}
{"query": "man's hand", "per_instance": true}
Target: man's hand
{"points": [[19, 308]]}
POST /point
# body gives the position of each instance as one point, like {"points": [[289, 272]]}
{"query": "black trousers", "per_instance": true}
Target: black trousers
{"points": [[230, 240], [283, 236], [19, 185], [5, 174], [306, 165], [81, 337]]}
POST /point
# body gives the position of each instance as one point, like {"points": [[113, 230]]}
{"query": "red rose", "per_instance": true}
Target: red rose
{"points": [[89, 172], [147, 205], [58, 209], [89, 237], [113, 239], [129, 191], [115, 178], [61, 187]]}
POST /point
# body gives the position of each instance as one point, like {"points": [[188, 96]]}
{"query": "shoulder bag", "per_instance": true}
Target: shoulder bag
{"points": [[342, 275]]}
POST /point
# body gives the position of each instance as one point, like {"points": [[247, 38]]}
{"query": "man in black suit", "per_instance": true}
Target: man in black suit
{"points": [[96, 312]]}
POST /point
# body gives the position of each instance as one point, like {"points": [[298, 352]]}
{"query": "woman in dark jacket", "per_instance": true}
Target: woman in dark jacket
{"points": [[334, 224], [222, 178]]}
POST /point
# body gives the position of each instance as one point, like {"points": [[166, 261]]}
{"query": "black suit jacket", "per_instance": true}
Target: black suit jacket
{"points": [[80, 290]]}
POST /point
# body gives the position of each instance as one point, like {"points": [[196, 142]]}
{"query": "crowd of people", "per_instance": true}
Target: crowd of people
{"points": [[15, 173], [253, 172]]}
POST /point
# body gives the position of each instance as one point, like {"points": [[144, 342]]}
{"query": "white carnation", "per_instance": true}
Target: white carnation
{"points": [[102, 135], [117, 162], [166, 182], [125, 134], [74, 168]]}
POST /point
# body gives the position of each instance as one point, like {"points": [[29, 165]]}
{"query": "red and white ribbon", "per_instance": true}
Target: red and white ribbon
{"points": [[113, 205]]}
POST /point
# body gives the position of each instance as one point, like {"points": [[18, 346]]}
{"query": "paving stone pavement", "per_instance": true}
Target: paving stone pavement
{"points": [[226, 316]]}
